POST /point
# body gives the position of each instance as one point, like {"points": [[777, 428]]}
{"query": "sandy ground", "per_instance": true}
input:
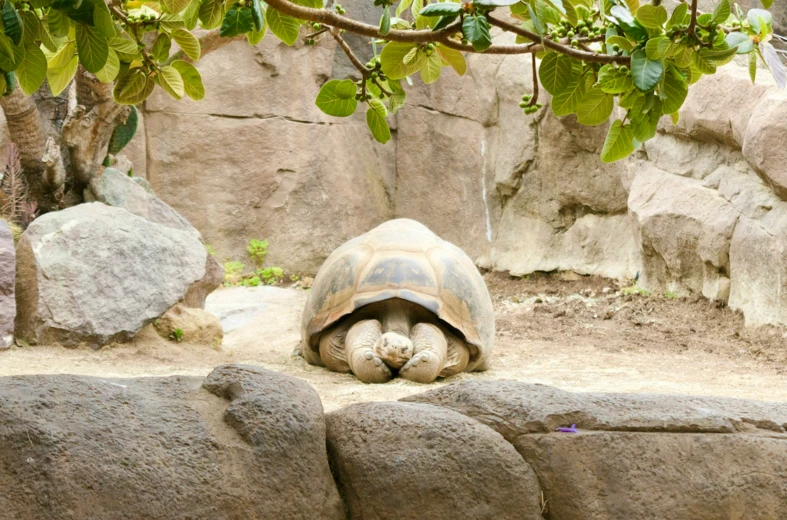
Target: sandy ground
{"points": [[576, 333]]}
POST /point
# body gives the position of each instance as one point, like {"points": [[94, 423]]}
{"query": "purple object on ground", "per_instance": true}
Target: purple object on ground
{"points": [[573, 429]]}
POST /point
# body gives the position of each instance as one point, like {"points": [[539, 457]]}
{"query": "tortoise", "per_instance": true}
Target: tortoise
{"points": [[398, 300]]}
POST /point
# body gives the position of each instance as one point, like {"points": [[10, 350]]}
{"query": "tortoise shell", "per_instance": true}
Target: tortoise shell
{"points": [[403, 259]]}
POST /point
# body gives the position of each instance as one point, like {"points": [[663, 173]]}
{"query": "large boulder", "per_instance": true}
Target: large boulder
{"points": [[683, 230], [136, 196], [759, 268], [7, 274], [97, 274], [245, 443], [637, 456], [413, 461], [765, 141]]}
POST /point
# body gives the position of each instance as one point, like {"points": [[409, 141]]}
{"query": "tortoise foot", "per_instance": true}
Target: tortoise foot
{"points": [[422, 368], [369, 368]]}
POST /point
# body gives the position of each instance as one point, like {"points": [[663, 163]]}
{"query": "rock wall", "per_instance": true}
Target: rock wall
{"points": [[697, 210], [250, 443]]}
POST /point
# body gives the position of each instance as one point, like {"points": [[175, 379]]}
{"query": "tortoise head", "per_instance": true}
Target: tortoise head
{"points": [[394, 349]]}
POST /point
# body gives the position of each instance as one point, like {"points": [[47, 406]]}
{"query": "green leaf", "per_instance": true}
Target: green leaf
{"points": [[759, 20], [651, 16], [705, 64], [741, 41], [633, 6], [62, 56], [683, 55], [375, 119], [595, 107], [619, 142], [32, 71], [452, 57], [133, 87], [404, 4], [18, 54], [674, 90], [571, 13], [430, 68], [238, 20], [415, 10], [392, 60], [58, 23], [92, 48], [30, 25], [255, 37], [60, 77], [621, 42], [442, 9], [476, 29], [174, 6], [766, 3], [645, 124], [211, 13], [124, 133], [111, 68], [169, 79], [12, 23], [192, 80], [286, 28], [657, 47], [103, 20], [334, 100], [191, 15], [752, 66], [444, 22], [717, 55], [398, 96], [646, 73], [613, 80], [555, 72], [125, 49], [160, 49], [385, 22], [721, 13], [46, 37], [565, 102], [678, 15], [188, 42]]}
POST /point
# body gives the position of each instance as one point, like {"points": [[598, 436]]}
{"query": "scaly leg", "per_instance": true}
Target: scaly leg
{"points": [[332, 351], [364, 363], [430, 354]]}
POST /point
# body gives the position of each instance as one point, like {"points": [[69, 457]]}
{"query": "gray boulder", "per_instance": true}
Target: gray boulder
{"points": [[7, 274], [245, 443], [637, 456], [116, 189], [414, 461], [97, 274]]}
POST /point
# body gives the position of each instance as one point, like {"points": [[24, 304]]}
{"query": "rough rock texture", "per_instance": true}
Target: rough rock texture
{"points": [[249, 443], [117, 189], [7, 275], [198, 326], [683, 230], [96, 274], [413, 461], [637, 456]]}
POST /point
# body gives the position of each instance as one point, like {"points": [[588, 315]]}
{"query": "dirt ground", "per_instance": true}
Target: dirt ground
{"points": [[576, 333]]}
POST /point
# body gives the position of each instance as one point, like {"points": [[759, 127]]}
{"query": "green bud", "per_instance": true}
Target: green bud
{"points": [[575, 42], [570, 34]]}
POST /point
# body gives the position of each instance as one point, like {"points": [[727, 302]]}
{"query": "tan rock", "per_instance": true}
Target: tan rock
{"points": [[765, 141], [195, 325], [683, 231], [7, 285], [416, 461]]}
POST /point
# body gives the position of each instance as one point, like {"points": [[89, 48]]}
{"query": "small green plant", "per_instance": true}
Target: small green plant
{"points": [[271, 275], [211, 251], [635, 290], [670, 295], [176, 335], [233, 273], [294, 277], [257, 249], [254, 281]]}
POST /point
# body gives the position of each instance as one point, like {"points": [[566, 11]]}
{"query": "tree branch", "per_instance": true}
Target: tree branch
{"points": [[348, 51], [693, 23], [559, 47], [534, 99]]}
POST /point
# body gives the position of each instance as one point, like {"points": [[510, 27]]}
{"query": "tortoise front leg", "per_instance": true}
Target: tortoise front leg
{"points": [[431, 352], [332, 351], [358, 344]]}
